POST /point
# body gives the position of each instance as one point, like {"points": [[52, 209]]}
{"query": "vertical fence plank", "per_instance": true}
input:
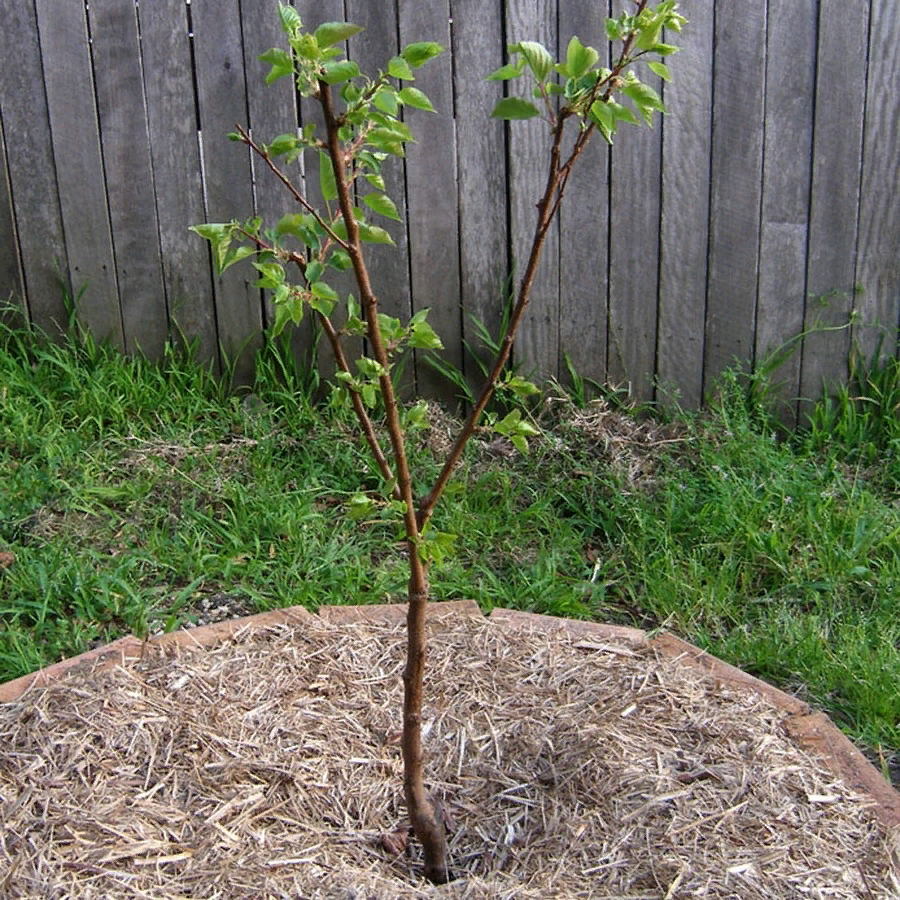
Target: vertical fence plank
{"points": [[222, 97], [584, 224], [314, 13], [481, 158], [790, 79], [736, 170], [175, 155], [432, 209], [684, 215], [834, 206], [388, 266], [878, 256], [76, 147], [272, 111], [537, 344], [634, 254], [129, 180], [32, 176], [13, 311]]}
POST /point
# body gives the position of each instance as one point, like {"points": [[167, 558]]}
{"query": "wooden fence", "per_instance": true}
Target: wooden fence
{"points": [[764, 205]]}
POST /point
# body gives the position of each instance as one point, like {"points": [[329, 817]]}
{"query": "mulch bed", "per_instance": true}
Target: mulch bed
{"points": [[567, 765]]}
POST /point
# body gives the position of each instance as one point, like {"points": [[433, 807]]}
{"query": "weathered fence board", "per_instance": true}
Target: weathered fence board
{"points": [[878, 253], [684, 212], [762, 207], [837, 152], [537, 345], [177, 173], [69, 82], [222, 101], [735, 177], [584, 224], [129, 179], [431, 183], [481, 166], [787, 149], [38, 241]]}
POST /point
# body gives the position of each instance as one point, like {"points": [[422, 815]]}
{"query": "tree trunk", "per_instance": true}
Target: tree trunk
{"points": [[425, 823]]}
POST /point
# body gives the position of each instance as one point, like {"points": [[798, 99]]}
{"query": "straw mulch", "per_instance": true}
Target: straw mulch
{"points": [[270, 767]]}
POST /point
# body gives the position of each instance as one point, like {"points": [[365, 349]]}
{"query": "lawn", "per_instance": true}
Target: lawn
{"points": [[138, 498]]}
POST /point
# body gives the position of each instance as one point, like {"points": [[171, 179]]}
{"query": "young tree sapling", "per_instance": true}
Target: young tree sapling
{"points": [[362, 130]]}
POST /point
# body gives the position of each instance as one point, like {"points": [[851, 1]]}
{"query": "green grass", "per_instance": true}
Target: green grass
{"points": [[130, 491]]}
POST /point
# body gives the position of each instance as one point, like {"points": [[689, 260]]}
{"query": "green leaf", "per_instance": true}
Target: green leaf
{"points": [[370, 368], [515, 108], [306, 47], [661, 69], [623, 113], [423, 337], [418, 54], [645, 99], [372, 234], [383, 205], [663, 49], [579, 58], [391, 329], [314, 271], [504, 73], [329, 33], [272, 275], [436, 545], [602, 115], [386, 100], [537, 56], [339, 260], [398, 67], [521, 387], [359, 506], [281, 63], [387, 140], [339, 70], [416, 416], [235, 255], [323, 298], [290, 18], [284, 143], [414, 97], [327, 184], [376, 181]]}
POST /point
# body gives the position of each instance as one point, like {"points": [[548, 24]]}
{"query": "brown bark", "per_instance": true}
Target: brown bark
{"points": [[425, 824]]}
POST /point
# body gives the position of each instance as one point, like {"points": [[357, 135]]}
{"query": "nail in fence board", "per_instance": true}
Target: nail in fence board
{"points": [[740, 35], [537, 343], [684, 208], [790, 80], [432, 194], [129, 181], [68, 78], [175, 155], [837, 147], [878, 256]]}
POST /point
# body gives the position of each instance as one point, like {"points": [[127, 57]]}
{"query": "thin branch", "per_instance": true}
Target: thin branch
{"points": [[264, 154]]}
